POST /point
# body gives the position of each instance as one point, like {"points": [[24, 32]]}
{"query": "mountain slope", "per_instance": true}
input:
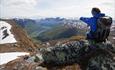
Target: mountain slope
{"points": [[60, 32], [23, 42]]}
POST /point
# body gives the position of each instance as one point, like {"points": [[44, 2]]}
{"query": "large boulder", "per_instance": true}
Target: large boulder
{"points": [[83, 52]]}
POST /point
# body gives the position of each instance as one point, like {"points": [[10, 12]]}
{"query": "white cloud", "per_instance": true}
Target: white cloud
{"points": [[48, 8], [18, 8]]}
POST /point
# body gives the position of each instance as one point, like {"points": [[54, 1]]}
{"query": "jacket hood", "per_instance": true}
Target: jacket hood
{"points": [[99, 15]]}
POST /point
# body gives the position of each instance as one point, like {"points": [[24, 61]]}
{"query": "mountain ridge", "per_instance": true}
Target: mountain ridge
{"points": [[24, 43]]}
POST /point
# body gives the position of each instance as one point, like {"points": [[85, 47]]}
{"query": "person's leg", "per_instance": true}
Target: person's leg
{"points": [[88, 36]]}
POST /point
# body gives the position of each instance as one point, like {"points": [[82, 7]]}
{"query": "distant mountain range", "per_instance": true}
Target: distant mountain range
{"points": [[51, 28]]}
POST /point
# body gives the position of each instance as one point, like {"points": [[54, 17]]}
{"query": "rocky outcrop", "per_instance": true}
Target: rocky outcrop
{"points": [[99, 56], [83, 52]]}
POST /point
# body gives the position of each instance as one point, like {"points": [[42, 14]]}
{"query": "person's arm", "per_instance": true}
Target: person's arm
{"points": [[87, 20]]}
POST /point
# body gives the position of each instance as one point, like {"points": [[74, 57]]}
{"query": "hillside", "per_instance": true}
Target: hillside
{"points": [[57, 32], [23, 42], [52, 28]]}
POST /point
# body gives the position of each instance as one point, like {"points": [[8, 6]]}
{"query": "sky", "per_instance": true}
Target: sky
{"points": [[54, 8]]}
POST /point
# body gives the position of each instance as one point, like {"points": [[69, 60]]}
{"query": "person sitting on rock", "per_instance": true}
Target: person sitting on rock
{"points": [[99, 25]]}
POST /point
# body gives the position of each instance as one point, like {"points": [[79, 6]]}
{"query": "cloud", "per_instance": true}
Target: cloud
{"points": [[74, 8], [18, 8], [52, 8], [18, 2]]}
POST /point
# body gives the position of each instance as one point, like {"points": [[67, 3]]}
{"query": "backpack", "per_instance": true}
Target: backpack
{"points": [[103, 28]]}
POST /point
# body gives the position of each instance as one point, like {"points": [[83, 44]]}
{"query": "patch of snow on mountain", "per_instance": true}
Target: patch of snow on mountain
{"points": [[114, 38], [5, 34], [6, 57]]}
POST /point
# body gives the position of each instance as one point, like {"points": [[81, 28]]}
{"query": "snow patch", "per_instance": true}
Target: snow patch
{"points": [[5, 33], [114, 38], [6, 57]]}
